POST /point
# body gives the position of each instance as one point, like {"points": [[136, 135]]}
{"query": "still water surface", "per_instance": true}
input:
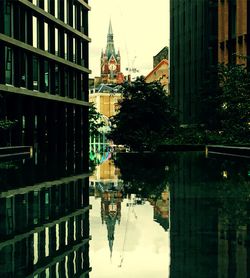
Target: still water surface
{"points": [[165, 215]]}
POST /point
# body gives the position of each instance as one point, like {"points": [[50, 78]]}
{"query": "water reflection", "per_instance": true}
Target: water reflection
{"points": [[153, 215], [44, 227], [209, 218], [128, 227], [207, 200]]}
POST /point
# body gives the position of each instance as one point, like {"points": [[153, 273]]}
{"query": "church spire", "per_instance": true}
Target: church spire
{"points": [[110, 31], [110, 49]]}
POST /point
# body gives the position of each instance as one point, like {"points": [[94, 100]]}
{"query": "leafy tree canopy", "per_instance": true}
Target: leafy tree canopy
{"points": [[234, 82], [145, 118], [96, 121]]}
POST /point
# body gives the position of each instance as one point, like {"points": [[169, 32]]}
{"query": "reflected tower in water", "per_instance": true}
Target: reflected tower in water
{"points": [[107, 186]]}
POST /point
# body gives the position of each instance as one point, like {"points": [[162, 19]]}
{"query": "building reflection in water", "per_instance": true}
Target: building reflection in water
{"points": [[210, 218], [161, 209], [116, 197], [44, 227], [106, 185]]}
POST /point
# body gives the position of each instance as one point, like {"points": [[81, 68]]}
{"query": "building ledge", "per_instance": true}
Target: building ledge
{"points": [[26, 92]]}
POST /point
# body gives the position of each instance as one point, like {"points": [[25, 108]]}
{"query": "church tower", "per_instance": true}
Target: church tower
{"points": [[111, 61]]}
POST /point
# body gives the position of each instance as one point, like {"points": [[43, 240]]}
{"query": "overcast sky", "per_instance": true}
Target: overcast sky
{"points": [[141, 30]]}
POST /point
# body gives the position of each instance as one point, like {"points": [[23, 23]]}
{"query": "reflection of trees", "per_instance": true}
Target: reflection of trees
{"points": [[144, 174], [234, 199]]}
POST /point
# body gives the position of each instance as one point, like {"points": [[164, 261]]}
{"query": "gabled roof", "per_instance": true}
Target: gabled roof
{"points": [[103, 88], [162, 62]]}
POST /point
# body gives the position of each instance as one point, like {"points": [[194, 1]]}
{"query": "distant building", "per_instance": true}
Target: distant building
{"points": [[106, 99], [111, 62], [233, 32], [159, 73], [163, 54], [193, 55]]}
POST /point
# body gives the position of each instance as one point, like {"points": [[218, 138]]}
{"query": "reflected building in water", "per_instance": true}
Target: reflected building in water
{"points": [[106, 185], [44, 228], [194, 220], [161, 210], [209, 218]]}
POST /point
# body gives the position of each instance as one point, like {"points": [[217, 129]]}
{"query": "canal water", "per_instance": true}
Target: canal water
{"points": [[149, 215]]}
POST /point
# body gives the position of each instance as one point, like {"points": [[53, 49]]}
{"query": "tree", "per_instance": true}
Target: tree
{"points": [[145, 118], [234, 82], [96, 121]]}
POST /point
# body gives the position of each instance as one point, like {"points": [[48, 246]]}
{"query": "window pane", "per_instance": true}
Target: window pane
{"points": [[74, 16], [46, 36], [34, 25], [8, 65], [46, 5], [7, 19], [46, 75], [56, 8], [66, 46], [56, 41], [66, 11], [56, 79], [35, 73], [23, 72], [74, 50]]}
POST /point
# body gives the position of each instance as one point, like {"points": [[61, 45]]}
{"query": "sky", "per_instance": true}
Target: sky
{"points": [[140, 28]]}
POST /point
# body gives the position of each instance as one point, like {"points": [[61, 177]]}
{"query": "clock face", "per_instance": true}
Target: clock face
{"points": [[112, 67]]}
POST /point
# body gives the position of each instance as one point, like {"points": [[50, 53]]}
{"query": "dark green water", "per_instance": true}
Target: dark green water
{"points": [[164, 215]]}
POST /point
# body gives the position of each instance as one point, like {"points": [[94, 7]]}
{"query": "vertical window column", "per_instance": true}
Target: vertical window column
{"points": [[78, 16], [78, 86], [41, 32], [23, 25], [46, 36], [29, 29], [61, 43], [70, 12], [7, 8], [41, 75], [8, 65], [52, 39], [2, 62]]}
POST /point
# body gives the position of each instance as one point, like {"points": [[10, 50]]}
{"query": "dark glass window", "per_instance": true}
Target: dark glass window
{"points": [[35, 73], [66, 83], [57, 87], [56, 41], [46, 76], [7, 19], [23, 70], [8, 65]]}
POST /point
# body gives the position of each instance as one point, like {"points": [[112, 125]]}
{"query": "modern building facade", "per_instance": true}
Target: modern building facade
{"points": [[233, 31], [193, 54], [44, 73], [44, 227]]}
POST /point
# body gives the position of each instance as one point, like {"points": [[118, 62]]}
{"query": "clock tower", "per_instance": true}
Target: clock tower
{"points": [[111, 61]]}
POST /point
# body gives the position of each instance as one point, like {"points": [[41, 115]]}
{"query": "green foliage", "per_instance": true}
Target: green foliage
{"points": [[146, 116], [7, 124], [146, 174], [234, 82], [96, 121], [225, 103]]}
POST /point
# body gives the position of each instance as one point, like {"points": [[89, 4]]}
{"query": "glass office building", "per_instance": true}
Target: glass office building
{"points": [[44, 73]]}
